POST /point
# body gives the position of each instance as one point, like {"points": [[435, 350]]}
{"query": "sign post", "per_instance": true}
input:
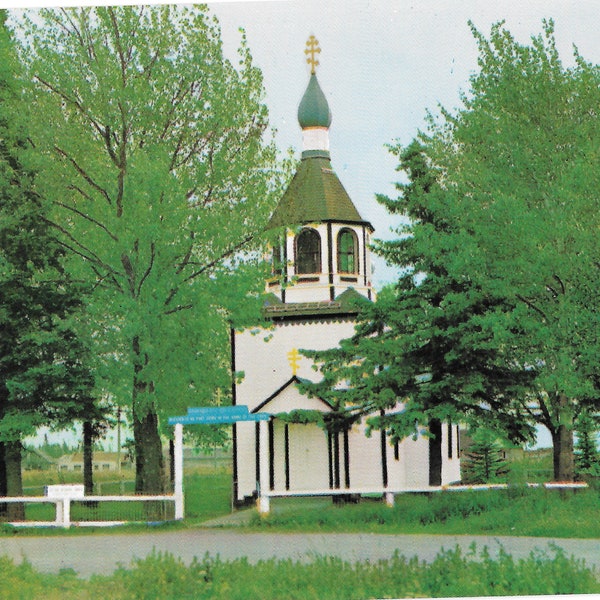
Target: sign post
{"points": [[211, 415]]}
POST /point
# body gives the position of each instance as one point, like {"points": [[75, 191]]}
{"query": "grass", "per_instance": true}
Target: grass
{"points": [[515, 511], [451, 573]]}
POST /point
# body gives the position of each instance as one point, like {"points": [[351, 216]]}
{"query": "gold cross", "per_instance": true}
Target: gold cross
{"points": [[293, 358], [312, 49]]}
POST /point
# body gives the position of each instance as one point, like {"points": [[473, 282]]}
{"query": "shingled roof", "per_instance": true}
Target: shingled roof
{"points": [[315, 195]]}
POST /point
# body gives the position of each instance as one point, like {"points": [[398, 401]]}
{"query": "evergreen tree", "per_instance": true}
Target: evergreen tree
{"points": [[587, 457], [494, 318], [483, 461], [44, 378]]}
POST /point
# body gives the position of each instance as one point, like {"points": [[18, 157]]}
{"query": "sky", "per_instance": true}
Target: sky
{"points": [[383, 65]]}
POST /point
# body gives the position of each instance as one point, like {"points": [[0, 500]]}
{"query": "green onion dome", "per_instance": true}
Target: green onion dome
{"points": [[314, 110]]}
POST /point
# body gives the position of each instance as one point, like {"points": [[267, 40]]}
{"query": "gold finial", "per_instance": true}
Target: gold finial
{"points": [[312, 48]]}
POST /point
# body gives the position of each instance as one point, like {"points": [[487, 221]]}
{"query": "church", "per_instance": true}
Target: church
{"points": [[321, 263]]}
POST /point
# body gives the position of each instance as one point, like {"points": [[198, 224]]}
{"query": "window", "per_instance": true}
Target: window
{"points": [[277, 261], [308, 252], [347, 251]]}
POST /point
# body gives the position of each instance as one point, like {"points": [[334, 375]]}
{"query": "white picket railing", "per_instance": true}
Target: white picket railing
{"points": [[62, 496], [389, 494]]}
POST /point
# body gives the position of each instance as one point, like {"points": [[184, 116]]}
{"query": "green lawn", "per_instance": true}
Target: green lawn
{"points": [[516, 511]]}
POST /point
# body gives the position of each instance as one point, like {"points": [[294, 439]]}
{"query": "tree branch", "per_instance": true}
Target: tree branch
{"points": [[88, 218], [84, 174], [216, 261], [532, 306], [148, 270]]}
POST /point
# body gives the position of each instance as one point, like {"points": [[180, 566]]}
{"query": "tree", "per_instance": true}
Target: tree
{"points": [[587, 457], [494, 314], [153, 153], [44, 378], [484, 460]]}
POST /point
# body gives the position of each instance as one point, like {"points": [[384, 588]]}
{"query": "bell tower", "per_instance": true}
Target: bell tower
{"points": [[323, 247]]}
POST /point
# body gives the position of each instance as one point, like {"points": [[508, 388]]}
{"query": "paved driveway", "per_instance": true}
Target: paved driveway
{"points": [[103, 553]]}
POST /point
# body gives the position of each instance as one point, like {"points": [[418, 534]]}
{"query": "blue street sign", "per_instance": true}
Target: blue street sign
{"points": [[217, 415], [233, 411]]}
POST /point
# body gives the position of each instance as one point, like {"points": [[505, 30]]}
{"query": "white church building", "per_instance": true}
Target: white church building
{"points": [[322, 262]]}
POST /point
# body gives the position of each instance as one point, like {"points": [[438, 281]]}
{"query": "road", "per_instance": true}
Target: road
{"points": [[102, 554]]}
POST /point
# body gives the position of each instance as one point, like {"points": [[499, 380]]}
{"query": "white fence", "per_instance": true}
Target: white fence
{"points": [[388, 494], [64, 496]]}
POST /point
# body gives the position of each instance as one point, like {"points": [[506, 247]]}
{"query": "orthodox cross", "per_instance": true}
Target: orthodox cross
{"points": [[293, 358], [312, 48]]}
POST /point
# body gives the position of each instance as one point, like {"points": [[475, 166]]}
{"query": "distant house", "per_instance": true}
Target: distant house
{"points": [[102, 461]]}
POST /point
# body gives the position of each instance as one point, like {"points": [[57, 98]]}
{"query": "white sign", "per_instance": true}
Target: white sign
{"points": [[65, 491]]}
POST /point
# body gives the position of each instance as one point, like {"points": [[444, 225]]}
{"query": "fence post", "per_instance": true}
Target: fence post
{"points": [[263, 484], [178, 484], [67, 512], [59, 520]]}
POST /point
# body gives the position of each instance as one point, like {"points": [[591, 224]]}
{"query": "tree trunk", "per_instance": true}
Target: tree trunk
{"points": [[563, 456], [3, 507], [88, 458], [14, 481], [148, 453], [148, 445], [562, 442]]}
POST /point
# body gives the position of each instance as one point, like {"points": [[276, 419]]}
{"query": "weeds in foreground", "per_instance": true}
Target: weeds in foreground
{"points": [[452, 573]]}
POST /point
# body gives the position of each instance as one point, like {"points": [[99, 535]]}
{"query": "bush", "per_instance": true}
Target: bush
{"points": [[452, 573]]}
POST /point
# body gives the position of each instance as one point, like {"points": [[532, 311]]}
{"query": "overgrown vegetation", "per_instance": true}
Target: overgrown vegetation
{"points": [[451, 573], [514, 511]]}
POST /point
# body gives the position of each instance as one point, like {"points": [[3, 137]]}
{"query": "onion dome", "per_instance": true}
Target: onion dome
{"points": [[314, 109]]}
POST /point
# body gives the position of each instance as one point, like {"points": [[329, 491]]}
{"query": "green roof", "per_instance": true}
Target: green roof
{"points": [[347, 303], [314, 109], [315, 195]]}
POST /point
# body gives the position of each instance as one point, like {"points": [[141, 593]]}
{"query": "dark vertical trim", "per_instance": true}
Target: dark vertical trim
{"points": [[271, 455], [336, 460], [330, 260], [346, 458], [330, 457], [435, 452], [384, 464], [286, 433], [257, 453], [396, 450], [234, 428], [365, 274], [458, 441], [450, 440], [285, 266]]}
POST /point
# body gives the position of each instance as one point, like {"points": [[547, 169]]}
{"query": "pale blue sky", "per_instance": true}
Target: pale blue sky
{"points": [[383, 64]]}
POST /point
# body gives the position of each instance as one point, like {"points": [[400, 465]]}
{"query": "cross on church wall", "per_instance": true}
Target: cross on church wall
{"points": [[293, 358], [312, 48]]}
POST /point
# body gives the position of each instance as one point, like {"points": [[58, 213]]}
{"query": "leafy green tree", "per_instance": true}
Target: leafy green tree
{"points": [[153, 150], [494, 316], [44, 378]]}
